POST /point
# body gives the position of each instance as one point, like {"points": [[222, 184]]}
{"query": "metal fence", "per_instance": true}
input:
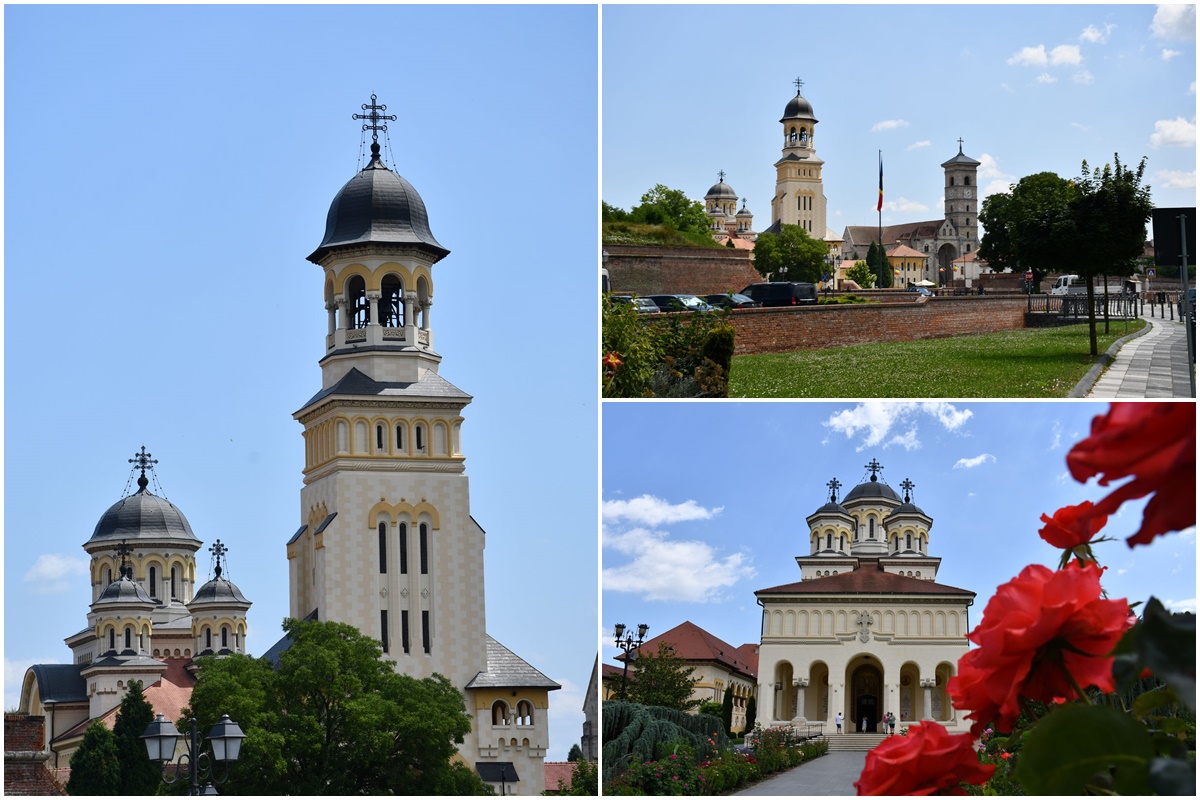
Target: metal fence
{"points": [[1074, 306]]}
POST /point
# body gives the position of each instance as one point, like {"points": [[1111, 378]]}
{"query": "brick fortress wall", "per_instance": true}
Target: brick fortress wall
{"points": [[25, 770], [642, 270], [783, 330]]}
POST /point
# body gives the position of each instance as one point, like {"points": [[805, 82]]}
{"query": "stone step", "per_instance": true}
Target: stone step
{"points": [[856, 742]]}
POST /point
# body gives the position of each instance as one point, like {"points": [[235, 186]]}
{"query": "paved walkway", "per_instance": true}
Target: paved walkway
{"points": [[831, 774], [1154, 364]]}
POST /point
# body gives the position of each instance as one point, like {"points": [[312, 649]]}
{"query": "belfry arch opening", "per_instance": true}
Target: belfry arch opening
{"points": [[391, 302]]}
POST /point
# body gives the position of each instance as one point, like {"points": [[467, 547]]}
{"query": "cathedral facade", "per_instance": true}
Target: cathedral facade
{"points": [[867, 629], [386, 541]]}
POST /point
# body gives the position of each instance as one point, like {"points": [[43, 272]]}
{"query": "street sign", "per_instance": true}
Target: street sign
{"points": [[1029, 275], [1150, 272]]}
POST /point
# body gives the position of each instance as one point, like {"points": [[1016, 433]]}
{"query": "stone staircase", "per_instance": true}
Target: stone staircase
{"points": [[854, 741]]}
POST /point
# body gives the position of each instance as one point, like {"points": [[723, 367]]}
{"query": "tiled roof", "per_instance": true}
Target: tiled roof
{"points": [[357, 383], [867, 579], [905, 231], [168, 696], [693, 643], [904, 251], [505, 669], [558, 771], [749, 654]]}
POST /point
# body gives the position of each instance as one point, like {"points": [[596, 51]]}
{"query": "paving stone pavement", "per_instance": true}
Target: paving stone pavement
{"points": [[1152, 365], [831, 774]]}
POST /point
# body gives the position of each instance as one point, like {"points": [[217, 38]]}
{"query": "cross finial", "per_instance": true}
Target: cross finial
{"points": [[721, 175], [375, 117], [799, 85], [124, 550], [143, 462], [875, 467], [833, 485], [218, 550], [960, 145], [907, 486]]}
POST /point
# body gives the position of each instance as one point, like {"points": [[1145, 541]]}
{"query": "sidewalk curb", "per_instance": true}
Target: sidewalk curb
{"points": [[1107, 357]]}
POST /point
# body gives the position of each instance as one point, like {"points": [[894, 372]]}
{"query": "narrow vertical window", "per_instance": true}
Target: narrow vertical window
{"points": [[154, 583], [107, 576], [424, 544], [399, 438], [383, 548], [829, 541], [403, 548], [208, 638], [383, 630], [224, 638], [379, 438], [128, 638], [112, 639], [419, 431], [871, 528], [425, 630], [404, 630], [173, 594], [908, 542]]}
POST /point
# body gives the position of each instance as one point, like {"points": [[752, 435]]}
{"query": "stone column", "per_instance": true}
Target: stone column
{"points": [[343, 307], [373, 305], [410, 318], [331, 310], [927, 684], [800, 684]]}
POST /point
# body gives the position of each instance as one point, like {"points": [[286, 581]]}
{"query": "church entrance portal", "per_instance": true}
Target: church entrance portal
{"points": [[866, 684], [945, 258]]}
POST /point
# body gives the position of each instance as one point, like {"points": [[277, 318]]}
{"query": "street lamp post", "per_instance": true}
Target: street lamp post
{"points": [[626, 644], [225, 739]]}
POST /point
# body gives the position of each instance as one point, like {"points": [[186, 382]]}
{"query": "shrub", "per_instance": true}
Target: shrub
{"points": [[679, 355]]}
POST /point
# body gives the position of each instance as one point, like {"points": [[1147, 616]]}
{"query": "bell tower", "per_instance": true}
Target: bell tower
{"points": [[962, 198], [799, 191]]}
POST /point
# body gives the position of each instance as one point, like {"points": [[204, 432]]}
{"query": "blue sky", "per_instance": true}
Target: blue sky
{"points": [[705, 503], [167, 171], [690, 90]]}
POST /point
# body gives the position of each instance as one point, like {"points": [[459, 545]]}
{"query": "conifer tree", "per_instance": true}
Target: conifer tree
{"points": [[95, 766], [751, 714], [139, 775], [727, 711]]}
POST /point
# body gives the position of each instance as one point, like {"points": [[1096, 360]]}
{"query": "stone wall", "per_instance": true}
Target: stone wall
{"points": [[642, 269], [784, 330], [25, 770]]}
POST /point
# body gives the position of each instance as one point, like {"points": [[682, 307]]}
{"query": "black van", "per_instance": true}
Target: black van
{"points": [[783, 293]]}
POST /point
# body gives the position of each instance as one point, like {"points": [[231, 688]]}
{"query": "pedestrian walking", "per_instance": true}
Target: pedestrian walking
{"points": [[863, 729], [838, 721], [891, 721]]}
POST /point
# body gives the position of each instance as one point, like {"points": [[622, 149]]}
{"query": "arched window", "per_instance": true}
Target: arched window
{"points": [[383, 548], [391, 302], [174, 595], [224, 637], [379, 446], [829, 541], [792, 134], [208, 638], [154, 582], [399, 438], [112, 639], [107, 575], [524, 713], [803, 135], [499, 713], [403, 549], [871, 528], [424, 547], [908, 542], [419, 432], [360, 309], [951, 180], [967, 180], [128, 638]]}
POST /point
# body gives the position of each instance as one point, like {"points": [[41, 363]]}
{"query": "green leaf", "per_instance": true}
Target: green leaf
{"points": [[1155, 698], [1167, 645], [1173, 776], [1080, 746]]}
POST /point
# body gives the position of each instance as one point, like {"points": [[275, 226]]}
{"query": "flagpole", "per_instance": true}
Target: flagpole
{"points": [[879, 208]]}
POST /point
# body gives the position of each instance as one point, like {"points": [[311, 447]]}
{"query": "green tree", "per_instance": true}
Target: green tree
{"points": [[1110, 210], [881, 268], [665, 206], [575, 753], [612, 213], [1034, 228], [792, 255], [95, 766], [727, 711], [710, 707], [585, 780], [861, 274], [334, 718], [662, 679], [751, 714], [139, 775]]}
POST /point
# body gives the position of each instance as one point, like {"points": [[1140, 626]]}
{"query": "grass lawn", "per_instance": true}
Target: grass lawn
{"points": [[1044, 362]]}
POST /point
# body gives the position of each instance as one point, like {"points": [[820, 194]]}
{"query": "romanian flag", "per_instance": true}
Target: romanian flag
{"points": [[879, 207]]}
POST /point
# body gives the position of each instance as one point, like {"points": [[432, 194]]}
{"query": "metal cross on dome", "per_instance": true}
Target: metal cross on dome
{"points": [[143, 461], [799, 85], [218, 550], [875, 467], [907, 486], [375, 126], [833, 485], [123, 550], [721, 175]]}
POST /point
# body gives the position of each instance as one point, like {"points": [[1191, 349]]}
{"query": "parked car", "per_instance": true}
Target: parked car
{"points": [[679, 302], [731, 300], [783, 293], [919, 290], [642, 305]]}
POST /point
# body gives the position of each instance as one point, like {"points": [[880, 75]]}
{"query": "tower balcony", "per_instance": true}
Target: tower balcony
{"points": [[375, 334]]}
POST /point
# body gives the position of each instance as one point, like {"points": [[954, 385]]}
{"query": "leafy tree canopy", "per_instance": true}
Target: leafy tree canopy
{"points": [[861, 274], [334, 718], [662, 679], [139, 775], [1033, 227], [792, 255], [575, 753], [95, 766], [663, 206]]}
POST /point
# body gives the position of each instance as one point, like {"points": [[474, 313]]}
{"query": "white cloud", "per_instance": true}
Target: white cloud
{"points": [[1176, 132], [1094, 35], [1029, 57], [566, 712], [905, 205], [877, 422], [1066, 54], [889, 124], [989, 167], [663, 569], [1167, 55], [1084, 77], [1181, 605], [1175, 22], [997, 187], [1057, 431], [1174, 179], [1080, 126], [53, 573], [1064, 476], [650, 510], [1046, 77], [982, 458], [918, 145], [1192, 88]]}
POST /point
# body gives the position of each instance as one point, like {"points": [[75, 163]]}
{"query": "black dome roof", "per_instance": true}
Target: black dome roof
{"points": [[142, 516], [124, 590], [377, 206], [907, 507], [798, 108], [218, 590], [721, 189], [831, 508], [872, 489]]}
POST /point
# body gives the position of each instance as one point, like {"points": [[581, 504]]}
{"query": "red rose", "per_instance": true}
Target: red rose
{"points": [[1072, 526], [1156, 444], [927, 761], [1036, 625]]}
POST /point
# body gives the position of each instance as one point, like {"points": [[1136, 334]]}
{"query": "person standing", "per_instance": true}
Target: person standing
{"points": [[838, 721], [891, 721]]}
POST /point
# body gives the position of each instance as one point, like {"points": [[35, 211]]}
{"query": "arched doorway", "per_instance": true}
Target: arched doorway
{"points": [[866, 694], [945, 261]]}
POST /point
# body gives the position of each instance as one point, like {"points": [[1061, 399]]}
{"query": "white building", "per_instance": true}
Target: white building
{"points": [[867, 629]]}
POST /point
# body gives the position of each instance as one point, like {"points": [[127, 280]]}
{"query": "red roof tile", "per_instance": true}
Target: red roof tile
{"points": [[867, 579], [693, 643], [556, 771]]}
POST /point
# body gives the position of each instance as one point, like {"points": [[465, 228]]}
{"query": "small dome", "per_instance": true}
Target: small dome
{"points": [[831, 508], [870, 490], [123, 591], [142, 516], [721, 189], [906, 508], [745, 212], [218, 590], [798, 108], [377, 206]]}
